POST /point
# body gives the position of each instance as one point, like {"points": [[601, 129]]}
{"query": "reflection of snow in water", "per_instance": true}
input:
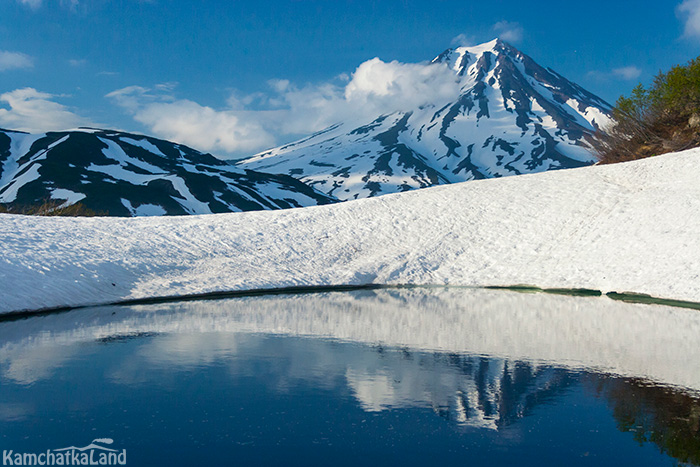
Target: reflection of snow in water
{"points": [[469, 390], [523, 336]]}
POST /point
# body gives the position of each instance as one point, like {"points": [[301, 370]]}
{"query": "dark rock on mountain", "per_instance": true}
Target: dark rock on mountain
{"points": [[511, 116], [123, 174]]}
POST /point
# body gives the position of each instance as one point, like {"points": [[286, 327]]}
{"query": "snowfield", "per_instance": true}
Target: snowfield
{"points": [[632, 227]]}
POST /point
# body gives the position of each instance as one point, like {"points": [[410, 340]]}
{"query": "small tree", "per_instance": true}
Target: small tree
{"points": [[655, 120]]}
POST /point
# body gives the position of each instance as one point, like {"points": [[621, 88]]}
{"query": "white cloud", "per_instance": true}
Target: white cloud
{"points": [[627, 73], [251, 123], [131, 97], [14, 60], [385, 87], [205, 128], [33, 4], [167, 87], [190, 123], [35, 112], [509, 32], [463, 40], [36, 4], [689, 10], [77, 62]]}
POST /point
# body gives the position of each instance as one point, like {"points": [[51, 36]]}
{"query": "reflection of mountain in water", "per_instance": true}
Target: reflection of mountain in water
{"points": [[468, 390], [502, 397], [574, 332], [483, 392], [479, 359]]}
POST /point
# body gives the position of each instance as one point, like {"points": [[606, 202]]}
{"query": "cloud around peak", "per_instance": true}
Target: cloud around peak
{"points": [[246, 124], [509, 31]]}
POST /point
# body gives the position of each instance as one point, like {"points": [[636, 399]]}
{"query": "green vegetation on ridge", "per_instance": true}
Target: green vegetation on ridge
{"points": [[665, 117], [51, 208]]}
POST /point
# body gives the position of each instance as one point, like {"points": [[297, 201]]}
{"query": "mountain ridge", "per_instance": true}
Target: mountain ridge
{"points": [[512, 116], [126, 174], [509, 116]]}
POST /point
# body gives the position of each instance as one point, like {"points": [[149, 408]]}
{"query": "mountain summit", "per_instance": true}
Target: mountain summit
{"points": [[511, 116]]}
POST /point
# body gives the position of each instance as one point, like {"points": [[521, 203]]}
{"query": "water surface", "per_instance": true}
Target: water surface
{"points": [[412, 377]]}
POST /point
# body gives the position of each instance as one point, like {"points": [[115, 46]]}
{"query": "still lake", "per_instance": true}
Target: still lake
{"points": [[434, 376]]}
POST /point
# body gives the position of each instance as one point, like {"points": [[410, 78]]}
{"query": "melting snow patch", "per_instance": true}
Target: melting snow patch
{"points": [[144, 210], [10, 193], [144, 144], [70, 197]]}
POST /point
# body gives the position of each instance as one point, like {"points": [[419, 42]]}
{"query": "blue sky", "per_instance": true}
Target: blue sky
{"points": [[234, 77]]}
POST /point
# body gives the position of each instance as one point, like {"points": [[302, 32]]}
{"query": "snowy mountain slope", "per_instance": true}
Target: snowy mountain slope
{"points": [[624, 227], [511, 117], [132, 175]]}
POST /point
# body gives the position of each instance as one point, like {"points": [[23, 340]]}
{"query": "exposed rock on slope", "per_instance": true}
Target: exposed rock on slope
{"points": [[511, 117], [123, 174]]}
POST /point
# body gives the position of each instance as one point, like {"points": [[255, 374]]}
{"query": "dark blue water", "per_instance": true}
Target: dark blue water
{"points": [[176, 386]]}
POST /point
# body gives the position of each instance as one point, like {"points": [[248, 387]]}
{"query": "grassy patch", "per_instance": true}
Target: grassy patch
{"points": [[649, 300], [51, 208], [554, 291]]}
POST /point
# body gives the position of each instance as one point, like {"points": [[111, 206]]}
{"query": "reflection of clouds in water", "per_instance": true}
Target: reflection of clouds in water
{"points": [[468, 390], [478, 359], [12, 412], [575, 332], [190, 349], [174, 352], [35, 363], [375, 392]]}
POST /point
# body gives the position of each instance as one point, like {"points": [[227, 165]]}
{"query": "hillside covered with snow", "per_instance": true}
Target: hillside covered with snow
{"points": [[507, 115], [123, 174], [626, 227], [498, 113]]}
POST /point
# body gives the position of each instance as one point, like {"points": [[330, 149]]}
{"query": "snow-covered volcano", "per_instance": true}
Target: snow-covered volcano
{"points": [[122, 174], [511, 116]]}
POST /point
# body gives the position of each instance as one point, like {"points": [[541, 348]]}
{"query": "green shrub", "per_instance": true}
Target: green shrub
{"points": [[662, 118]]}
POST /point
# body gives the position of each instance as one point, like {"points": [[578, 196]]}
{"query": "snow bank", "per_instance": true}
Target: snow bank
{"points": [[630, 227]]}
